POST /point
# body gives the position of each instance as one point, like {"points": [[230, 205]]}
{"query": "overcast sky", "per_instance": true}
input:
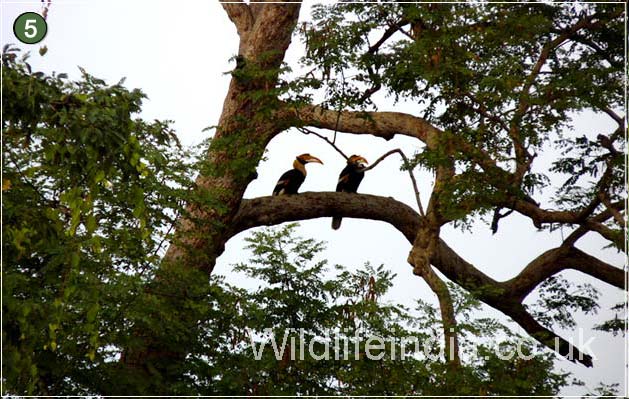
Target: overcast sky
{"points": [[178, 53]]}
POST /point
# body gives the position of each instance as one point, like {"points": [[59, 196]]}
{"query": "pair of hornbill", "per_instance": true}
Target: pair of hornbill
{"points": [[348, 182]]}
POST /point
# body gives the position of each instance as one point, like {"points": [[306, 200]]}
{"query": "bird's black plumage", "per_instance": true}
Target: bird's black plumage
{"points": [[291, 180], [349, 180]]}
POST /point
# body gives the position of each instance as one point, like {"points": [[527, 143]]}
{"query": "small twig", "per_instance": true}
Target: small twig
{"points": [[305, 130], [483, 111], [410, 173], [373, 165], [340, 110], [163, 240]]}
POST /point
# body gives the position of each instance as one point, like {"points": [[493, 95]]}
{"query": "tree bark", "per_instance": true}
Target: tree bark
{"points": [[264, 38], [265, 33]]}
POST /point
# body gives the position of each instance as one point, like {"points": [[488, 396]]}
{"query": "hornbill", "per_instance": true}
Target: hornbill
{"points": [[290, 181], [349, 179]]}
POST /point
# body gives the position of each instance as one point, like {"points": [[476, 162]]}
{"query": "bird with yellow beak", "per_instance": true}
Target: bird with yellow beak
{"points": [[291, 180]]}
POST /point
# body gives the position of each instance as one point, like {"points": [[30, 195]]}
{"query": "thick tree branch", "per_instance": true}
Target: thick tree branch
{"points": [[240, 14], [558, 259], [583, 229], [386, 125], [268, 211], [546, 337], [200, 236], [278, 209], [439, 287], [379, 124], [617, 118]]}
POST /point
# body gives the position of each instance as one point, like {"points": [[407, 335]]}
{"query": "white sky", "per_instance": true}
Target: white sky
{"points": [[178, 52]]}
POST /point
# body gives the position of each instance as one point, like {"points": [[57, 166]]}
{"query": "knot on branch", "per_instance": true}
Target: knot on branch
{"points": [[419, 259], [423, 250]]}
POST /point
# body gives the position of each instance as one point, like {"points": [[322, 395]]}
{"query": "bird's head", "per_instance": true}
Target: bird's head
{"points": [[306, 158], [358, 161]]}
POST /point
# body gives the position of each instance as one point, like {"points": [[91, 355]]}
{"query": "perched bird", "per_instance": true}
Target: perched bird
{"points": [[349, 180], [290, 181]]}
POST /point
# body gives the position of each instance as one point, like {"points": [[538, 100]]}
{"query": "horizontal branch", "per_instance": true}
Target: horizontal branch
{"points": [[380, 124], [558, 259], [268, 211], [504, 296]]}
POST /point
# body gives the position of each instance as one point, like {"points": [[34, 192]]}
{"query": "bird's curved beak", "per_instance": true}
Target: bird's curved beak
{"points": [[363, 162], [314, 159]]}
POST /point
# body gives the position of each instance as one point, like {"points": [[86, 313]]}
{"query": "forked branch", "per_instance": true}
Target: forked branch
{"points": [[240, 14]]}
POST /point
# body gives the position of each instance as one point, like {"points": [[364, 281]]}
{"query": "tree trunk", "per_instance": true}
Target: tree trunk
{"points": [[265, 32]]}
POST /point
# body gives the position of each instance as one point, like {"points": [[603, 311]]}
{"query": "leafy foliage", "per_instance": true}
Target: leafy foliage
{"points": [[299, 298], [89, 193], [507, 79], [617, 325], [559, 301]]}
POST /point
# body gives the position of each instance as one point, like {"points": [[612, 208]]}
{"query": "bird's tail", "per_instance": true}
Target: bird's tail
{"points": [[336, 222]]}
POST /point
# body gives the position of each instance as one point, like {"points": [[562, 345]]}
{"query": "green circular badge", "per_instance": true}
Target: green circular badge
{"points": [[30, 28]]}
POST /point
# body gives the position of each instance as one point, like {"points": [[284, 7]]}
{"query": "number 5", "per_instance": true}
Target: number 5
{"points": [[30, 25]]}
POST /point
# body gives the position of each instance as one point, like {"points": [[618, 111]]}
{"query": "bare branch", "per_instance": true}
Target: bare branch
{"points": [[266, 211], [557, 259], [272, 210], [410, 173], [619, 120], [379, 124], [386, 125], [605, 232], [382, 158], [546, 337], [305, 130], [583, 230]]}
